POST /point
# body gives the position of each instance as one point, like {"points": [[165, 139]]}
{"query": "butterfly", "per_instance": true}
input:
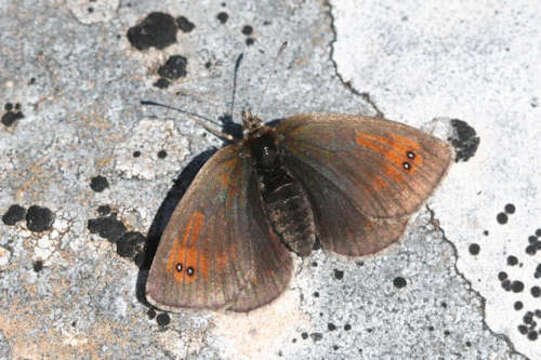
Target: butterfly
{"points": [[350, 182]]}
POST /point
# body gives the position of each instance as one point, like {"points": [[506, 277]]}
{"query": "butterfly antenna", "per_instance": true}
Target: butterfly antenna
{"points": [[269, 77], [195, 117], [235, 74]]}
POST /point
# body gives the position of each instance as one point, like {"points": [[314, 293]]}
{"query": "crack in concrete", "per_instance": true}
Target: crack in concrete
{"points": [[347, 84], [435, 222]]}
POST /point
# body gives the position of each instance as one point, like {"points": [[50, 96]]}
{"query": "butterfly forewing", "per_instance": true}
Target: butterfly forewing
{"points": [[386, 169], [364, 176], [212, 249]]}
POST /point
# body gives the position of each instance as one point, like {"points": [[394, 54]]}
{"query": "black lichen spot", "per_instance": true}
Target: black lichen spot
{"points": [[162, 83], [90, 9], [107, 227], [528, 318], [247, 30], [399, 282], [315, 294], [531, 250], [512, 260], [8, 106], [465, 140], [532, 335], [157, 29], [184, 24], [162, 154], [485, 232], [163, 319], [104, 210], [174, 68], [151, 314], [474, 249], [537, 273], [128, 244], [518, 305], [506, 285], [446, 333], [509, 208], [10, 117], [136, 153], [304, 335], [190, 271], [222, 17], [316, 336], [502, 275], [331, 326], [538, 232], [37, 265], [99, 183], [39, 218], [347, 327], [522, 329], [338, 274], [502, 218], [32, 81], [14, 214], [178, 267], [335, 347], [517, 286], [535, 291], [250, 41]]}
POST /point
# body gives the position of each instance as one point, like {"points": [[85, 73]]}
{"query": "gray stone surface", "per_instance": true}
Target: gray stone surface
{"points": [[67, 293]]}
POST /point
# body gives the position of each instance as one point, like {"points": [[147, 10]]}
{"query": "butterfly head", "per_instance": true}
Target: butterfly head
{"points": [[250, 122]]}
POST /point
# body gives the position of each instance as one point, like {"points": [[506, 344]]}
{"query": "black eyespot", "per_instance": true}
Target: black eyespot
{"points": [[406, 165], [410, 155], [190, 270], [179, 267]]}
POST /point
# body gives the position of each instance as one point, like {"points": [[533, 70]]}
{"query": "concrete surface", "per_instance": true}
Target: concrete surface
{"points": [[94, 174]]}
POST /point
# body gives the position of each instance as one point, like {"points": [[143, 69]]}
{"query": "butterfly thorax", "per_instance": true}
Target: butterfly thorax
{"points": [[284, 199]]}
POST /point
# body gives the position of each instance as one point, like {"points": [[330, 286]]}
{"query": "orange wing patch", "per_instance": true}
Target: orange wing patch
{"points": [[401, 152], [185, 261]]}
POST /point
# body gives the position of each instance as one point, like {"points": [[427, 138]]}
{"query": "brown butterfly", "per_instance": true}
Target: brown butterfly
{"points": [[350, 181]]}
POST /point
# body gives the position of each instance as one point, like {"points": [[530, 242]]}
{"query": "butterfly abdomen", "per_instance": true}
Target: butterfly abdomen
{"points": [[284, 199]]}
